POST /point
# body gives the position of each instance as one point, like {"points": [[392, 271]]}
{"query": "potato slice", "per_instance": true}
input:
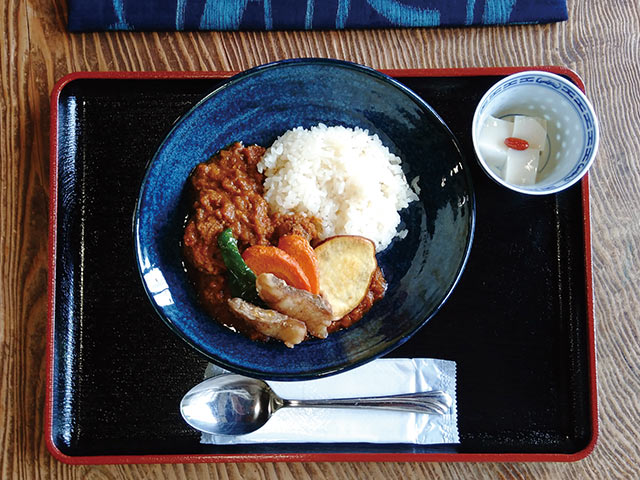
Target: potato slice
{"points": [[346, 264]]}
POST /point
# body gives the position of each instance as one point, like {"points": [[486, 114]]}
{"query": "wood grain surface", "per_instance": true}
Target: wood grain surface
{"points": [[601, 41]]}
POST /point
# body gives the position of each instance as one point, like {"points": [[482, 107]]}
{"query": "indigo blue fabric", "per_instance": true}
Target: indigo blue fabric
{"points": [[97, 15]]}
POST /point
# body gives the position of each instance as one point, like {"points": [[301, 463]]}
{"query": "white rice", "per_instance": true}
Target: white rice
{"points": [[345, 177]]}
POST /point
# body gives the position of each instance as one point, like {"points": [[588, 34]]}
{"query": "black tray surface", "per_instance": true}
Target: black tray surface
{"points": [[517, 323]]}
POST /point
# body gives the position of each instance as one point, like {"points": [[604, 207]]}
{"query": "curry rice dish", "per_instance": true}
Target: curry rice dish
{"points": [[232, 225]]}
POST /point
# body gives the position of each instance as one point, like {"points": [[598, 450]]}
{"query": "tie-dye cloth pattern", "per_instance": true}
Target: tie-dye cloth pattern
{"points": [[100, 15]]}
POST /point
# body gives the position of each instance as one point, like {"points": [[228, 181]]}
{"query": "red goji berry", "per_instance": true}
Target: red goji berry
{"points": [[516, 143]]}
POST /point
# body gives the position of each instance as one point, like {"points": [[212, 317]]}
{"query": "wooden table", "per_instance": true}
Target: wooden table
{"points": [[601, 41]]}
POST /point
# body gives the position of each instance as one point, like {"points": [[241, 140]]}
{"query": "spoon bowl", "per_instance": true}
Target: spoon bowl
{"points": [[229, 405], [237, 405]]}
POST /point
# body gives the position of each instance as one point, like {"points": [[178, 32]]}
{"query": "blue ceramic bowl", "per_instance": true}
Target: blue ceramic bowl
{"points": [[257, 106]]}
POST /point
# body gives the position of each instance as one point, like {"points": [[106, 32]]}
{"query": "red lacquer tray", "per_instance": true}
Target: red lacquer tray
{"points": [[519, 324]]}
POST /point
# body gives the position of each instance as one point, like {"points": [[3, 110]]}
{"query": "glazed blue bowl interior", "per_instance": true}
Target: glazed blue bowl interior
{"points": [[256, 107]]}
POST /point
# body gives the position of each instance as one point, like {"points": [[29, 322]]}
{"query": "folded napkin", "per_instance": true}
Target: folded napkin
{"points": [[380, 377], [98, 15]]}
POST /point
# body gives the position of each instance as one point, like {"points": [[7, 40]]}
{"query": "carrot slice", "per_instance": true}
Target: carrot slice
{"points": [[300, 249], [269, 259]]}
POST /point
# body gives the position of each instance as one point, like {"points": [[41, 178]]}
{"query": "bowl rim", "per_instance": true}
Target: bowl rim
{"points": [[520, 188], [347, 364]]}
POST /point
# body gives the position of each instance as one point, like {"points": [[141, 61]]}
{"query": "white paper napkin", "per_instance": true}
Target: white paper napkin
{"points": [[380, 377]]}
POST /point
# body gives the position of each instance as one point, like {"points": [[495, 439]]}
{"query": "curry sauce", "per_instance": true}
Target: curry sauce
{"points": [[227, 192]]}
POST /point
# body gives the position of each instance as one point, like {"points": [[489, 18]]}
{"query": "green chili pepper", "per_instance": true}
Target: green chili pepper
{"points": [[242, 280]]}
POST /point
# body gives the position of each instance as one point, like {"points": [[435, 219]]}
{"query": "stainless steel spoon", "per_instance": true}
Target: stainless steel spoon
{"points": [[236, 405]]}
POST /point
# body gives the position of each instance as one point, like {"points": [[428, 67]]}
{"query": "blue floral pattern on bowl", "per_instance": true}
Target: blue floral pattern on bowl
{"points": [[573, 126]]}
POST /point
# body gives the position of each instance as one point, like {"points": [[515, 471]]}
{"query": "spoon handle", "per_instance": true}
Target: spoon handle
{"points": [[433, 402]]}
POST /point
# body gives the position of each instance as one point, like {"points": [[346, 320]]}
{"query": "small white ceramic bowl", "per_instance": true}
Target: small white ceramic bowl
{"points": [[572, 127]]}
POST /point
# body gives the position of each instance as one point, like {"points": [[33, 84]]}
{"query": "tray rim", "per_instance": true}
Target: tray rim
{"points": [[298, 457]]}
